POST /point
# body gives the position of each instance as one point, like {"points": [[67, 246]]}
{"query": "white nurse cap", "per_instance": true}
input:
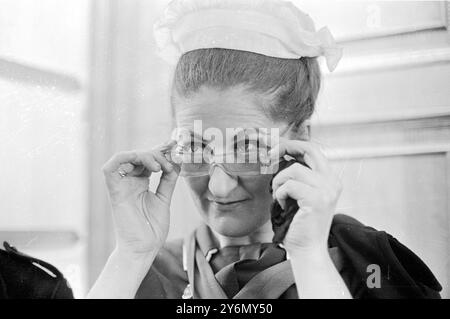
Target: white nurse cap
{"points": [[270, 27]]}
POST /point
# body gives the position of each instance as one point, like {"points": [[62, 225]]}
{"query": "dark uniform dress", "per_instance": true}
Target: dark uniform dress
{"points": [[196, 268]]}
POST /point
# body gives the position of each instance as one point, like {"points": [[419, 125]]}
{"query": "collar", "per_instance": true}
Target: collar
{"points": [[209, 245]]}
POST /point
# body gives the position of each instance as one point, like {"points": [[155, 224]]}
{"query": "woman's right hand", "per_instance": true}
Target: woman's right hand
{"points": [[141, 217]]}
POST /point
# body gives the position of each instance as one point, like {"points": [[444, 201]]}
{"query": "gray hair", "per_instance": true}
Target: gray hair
{"points": [[292, 85]]}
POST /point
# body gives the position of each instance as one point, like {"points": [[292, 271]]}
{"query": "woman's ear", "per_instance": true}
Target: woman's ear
{"points": [[307, 130], [302, 132]]}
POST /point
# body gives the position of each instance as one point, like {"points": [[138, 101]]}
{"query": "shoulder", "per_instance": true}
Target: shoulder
{"points": [[166, 277], [402, 273], [341, 220], [26, 277]]}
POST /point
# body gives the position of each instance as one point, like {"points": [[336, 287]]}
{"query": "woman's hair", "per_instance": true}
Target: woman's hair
{"points": [[291, 85]]}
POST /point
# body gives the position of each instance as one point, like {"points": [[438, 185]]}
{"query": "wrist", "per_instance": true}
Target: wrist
{"points": [[122, 275], [133, 261], [309, 254]]}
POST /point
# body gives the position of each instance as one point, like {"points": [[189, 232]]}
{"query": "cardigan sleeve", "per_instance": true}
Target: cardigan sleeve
{"points": [[378, 265]]}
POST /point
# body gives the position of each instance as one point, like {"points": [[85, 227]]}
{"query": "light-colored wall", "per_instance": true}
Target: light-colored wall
{"points": [[384, 119], [43, 132]]}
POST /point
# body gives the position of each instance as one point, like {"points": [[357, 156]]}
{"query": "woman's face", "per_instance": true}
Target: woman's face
{"points": [[233, 206]]}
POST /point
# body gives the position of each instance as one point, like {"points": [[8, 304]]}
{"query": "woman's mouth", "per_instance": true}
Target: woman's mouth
{"points": [[230, 202], [227, 204]]}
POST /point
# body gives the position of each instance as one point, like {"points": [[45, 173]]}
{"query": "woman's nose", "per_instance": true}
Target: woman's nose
{"points": [[220, 183]]}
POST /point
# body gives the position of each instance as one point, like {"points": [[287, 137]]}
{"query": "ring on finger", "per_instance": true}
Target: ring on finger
{"points": [[122, 173]]}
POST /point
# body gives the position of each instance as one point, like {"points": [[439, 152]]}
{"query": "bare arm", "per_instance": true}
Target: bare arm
{"points": [[141, 220], [121, 276], [317, 277]]}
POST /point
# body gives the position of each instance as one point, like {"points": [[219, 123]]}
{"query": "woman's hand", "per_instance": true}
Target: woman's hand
{"points": [[316, 190], [141, 217]]}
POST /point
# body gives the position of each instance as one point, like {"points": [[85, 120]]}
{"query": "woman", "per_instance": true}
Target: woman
{"points": [[246, 64]]}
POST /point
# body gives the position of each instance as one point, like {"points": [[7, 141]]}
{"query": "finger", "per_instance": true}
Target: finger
{"points": [[155, 160], [167, 145], [118, 159], [167, 150], [133, 157], [294, 148], [138, 171], [301, 150], [134, 170], [298, 172], [166, 186], [295, 190], [160, 157], [139, 163], [126, 168]]}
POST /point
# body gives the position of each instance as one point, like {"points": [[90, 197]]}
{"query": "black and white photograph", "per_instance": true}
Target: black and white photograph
{"points": [[224, 149]]}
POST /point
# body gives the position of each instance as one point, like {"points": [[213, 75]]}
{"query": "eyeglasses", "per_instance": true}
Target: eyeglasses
{"points": [[202, 161]]}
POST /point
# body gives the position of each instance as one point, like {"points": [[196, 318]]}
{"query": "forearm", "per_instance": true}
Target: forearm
{"points": [[316, 277], [121, 276]]}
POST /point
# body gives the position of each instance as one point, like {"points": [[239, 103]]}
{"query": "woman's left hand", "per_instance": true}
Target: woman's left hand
{"points": [[316, 190]]}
